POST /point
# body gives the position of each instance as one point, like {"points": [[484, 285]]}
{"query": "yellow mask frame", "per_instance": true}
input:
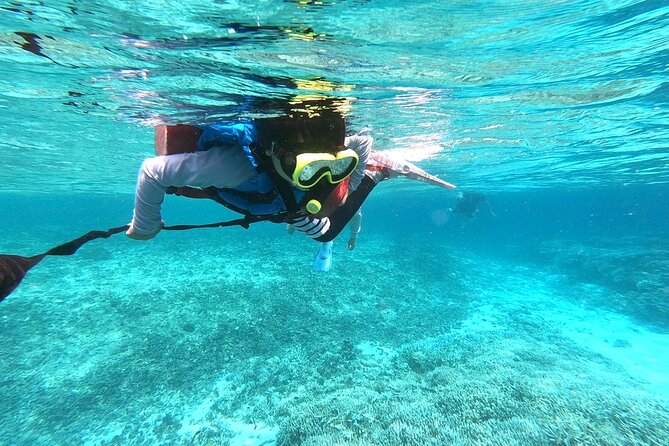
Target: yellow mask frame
{"points": [[310, 168]]}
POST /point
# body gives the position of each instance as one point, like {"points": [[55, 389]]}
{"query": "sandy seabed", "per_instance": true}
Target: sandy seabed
{"points": [[231, 339]]}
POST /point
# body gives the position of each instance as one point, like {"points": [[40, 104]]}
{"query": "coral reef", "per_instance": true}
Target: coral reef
{"points": [[240, 350], [634, 268]]}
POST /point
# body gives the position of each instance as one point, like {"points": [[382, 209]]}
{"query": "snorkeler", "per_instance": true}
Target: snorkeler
{"points": [[299, 170], [468, 204]]}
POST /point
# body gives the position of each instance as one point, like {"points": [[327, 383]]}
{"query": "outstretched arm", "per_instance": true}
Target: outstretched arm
{"points": [[219, 166], [398, 167]]}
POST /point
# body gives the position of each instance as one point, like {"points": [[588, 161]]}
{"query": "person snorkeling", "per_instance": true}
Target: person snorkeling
{"points": [[469, 204], [300, 170]]}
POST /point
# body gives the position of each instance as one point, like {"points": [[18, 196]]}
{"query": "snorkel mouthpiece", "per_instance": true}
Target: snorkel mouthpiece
{"points": [[313, 206]]}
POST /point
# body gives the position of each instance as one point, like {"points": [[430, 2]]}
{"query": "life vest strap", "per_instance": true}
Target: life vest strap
{"points": [[186, 191], [243, 222], [283, 188]]}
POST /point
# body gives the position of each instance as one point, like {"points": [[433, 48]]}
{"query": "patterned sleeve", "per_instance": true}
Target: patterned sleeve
{"points": [[312, 228]]}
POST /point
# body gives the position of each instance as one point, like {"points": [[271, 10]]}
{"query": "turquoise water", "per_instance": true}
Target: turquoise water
{"points": [[547, 323]]}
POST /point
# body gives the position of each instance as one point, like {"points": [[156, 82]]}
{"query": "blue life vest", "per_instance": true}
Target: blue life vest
{"points": [[257, 196]]}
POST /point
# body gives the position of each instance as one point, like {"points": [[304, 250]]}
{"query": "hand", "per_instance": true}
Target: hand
{"points": [[351, 242], [290, 229], [137, 236], [381, 175]]}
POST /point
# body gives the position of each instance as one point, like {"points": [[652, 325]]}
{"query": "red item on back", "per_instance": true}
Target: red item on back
{"points": [[171, 139]]}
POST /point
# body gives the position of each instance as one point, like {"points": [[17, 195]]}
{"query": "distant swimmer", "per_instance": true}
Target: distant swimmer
{"points": [[469, 203]]}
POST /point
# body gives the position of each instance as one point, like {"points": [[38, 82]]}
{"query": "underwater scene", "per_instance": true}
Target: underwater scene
{"points": [[527, 306]]}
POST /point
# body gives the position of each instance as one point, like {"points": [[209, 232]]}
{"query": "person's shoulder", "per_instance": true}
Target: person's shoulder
{"points": [[362, 144]]}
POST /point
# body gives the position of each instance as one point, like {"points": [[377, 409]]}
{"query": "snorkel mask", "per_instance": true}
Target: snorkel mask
{"points": [[306, 169], [309, 153]]}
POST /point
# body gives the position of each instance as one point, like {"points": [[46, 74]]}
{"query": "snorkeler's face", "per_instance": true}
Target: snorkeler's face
{"points": [[306, 169]]}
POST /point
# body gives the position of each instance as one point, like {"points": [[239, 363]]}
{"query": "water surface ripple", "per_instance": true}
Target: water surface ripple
{"points": [[498, 94]]}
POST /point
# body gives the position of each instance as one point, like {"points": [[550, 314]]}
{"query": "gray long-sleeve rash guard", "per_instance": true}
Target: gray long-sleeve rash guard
{"points": [[220, 166]]}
